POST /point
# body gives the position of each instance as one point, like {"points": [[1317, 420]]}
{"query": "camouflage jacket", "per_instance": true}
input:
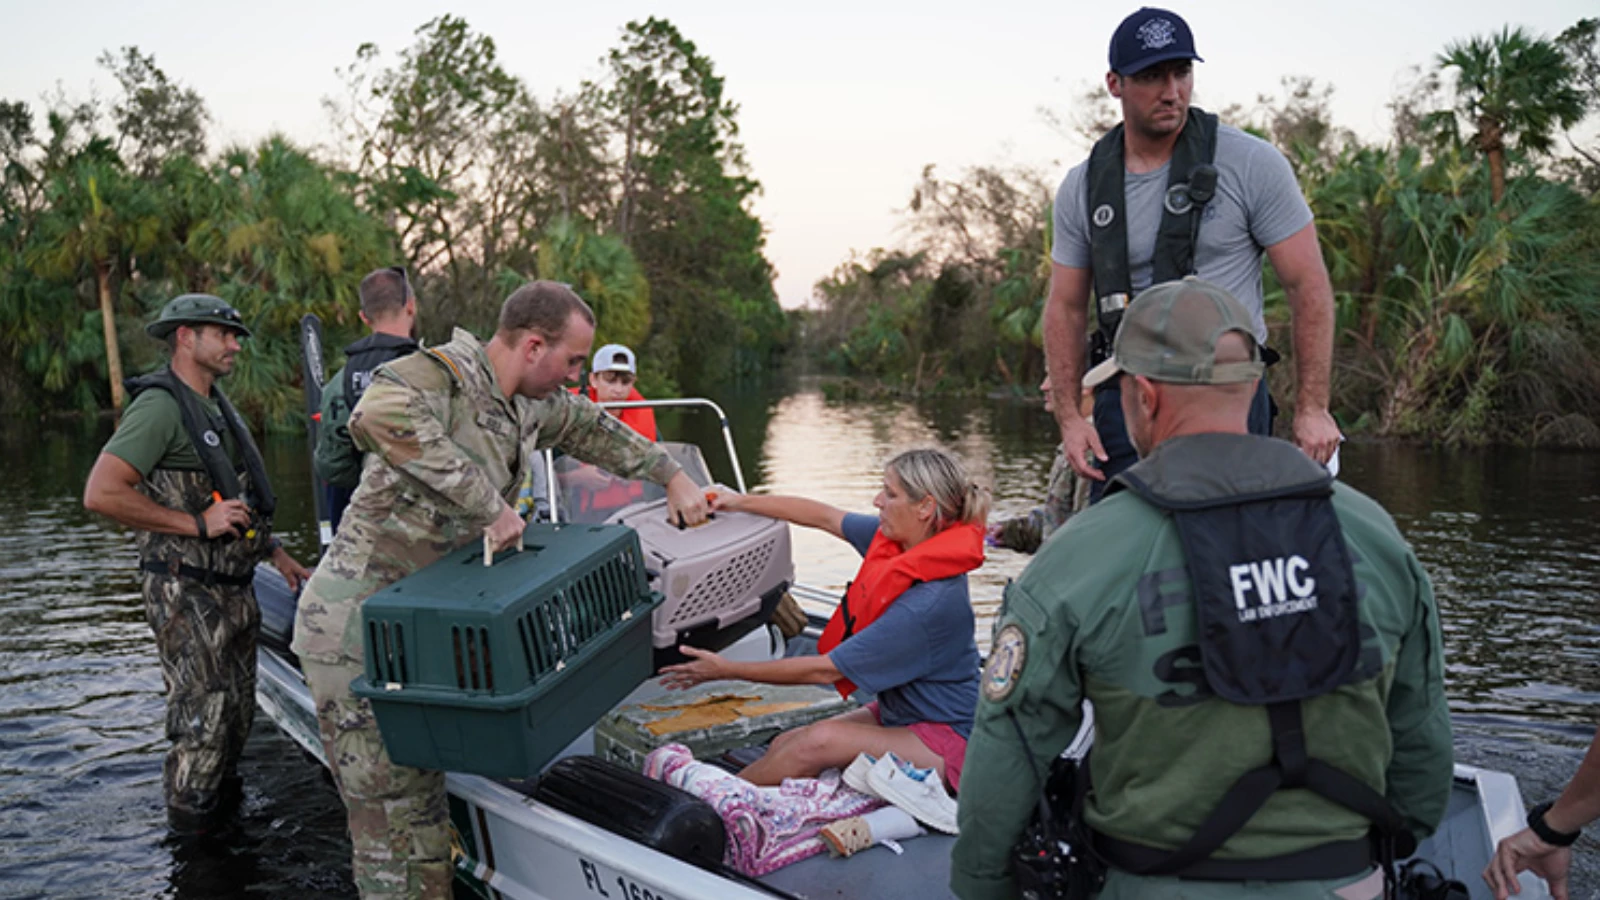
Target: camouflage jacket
{"points": [[444, 448], [1026, 532]]}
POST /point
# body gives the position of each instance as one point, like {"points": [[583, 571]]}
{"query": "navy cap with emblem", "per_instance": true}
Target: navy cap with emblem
{"points": [[1150, 36]]}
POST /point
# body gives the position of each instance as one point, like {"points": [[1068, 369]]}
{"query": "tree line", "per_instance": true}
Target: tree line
{"points": [[1464, 252], [632, 187]]}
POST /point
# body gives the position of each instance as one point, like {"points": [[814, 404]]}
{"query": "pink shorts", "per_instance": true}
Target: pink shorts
{"points": [[943, 740]]}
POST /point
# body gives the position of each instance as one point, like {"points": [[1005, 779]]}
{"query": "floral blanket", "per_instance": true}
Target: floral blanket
{"points": [[768, 828]]}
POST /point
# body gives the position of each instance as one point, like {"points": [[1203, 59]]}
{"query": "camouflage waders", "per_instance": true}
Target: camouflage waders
{"points": [[205, 629], [206, 636], [399, 816]]}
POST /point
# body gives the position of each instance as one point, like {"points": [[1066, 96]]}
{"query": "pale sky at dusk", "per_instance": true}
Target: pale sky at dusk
{"points": [[842, 104]]}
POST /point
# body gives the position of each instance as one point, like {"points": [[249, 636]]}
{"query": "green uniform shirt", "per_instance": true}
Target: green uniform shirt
{"points": [[151, 433], [1104, 613]]}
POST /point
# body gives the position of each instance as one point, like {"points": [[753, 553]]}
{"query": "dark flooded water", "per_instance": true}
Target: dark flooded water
{"points": [[1512, 540]]}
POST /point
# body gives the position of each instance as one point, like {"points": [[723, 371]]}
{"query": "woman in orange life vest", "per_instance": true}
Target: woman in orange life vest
{"points": [[904, 630]]}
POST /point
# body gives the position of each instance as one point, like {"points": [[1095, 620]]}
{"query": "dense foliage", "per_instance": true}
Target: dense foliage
{"points": [[1464, 254], [633, 189]]}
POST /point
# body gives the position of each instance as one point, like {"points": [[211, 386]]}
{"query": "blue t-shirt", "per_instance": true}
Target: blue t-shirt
{"points": [[920, 656]]}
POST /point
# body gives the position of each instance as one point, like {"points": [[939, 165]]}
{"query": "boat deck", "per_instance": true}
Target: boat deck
{"points": [[923, 871]]}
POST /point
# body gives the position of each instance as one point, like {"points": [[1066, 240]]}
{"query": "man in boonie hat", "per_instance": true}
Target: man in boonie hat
{"points": [[1260, 647], [184, 472]]}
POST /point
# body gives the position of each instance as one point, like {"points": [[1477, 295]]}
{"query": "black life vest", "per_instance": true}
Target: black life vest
{"points": [[1275, 595], [367, 354], [202, 429], [1180, 217]]}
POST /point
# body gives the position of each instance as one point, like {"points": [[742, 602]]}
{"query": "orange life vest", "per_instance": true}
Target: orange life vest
{"points": [[640, 418], [619, 494], [887, 571]]}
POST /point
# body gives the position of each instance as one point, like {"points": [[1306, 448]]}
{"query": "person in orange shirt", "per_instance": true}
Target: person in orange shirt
{"points": [[612, 377]]}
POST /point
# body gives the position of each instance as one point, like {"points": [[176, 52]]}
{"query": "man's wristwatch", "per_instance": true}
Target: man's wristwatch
{"points": [[1549, 835]]}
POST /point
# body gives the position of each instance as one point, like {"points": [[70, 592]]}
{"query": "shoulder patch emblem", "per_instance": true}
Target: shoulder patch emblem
{"points": [[1103, 214], [1006, 659]]}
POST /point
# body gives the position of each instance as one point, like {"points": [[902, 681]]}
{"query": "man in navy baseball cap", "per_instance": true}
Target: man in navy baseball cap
{"points": [[1169, 192], [1150, 36]]}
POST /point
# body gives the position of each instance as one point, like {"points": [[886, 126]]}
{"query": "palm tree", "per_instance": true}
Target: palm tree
{"points": [[604, 272], [100, 219], [1516, 90]]}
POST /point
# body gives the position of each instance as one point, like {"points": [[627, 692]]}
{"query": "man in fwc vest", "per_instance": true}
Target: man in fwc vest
{"points": [[389, 307], [184, 472], [1259, 643], [1168, 193]]}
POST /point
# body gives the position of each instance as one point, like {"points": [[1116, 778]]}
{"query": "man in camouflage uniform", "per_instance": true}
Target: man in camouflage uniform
{"points": [[450, 429], [183, 470]]}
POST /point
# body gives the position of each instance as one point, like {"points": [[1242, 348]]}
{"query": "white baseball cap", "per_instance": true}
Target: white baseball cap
{"points": [[614, 358]]}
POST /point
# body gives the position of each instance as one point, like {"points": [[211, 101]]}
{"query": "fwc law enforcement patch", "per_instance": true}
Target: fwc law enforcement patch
{"points": [[1006, 659]]}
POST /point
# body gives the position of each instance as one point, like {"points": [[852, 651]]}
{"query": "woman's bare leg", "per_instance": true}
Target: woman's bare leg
{"points": [[833, 743]]}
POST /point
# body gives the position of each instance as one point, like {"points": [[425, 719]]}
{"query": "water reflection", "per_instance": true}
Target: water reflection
{"points": [[1511, 539]]}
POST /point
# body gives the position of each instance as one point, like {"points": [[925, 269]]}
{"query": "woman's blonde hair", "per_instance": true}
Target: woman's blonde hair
{"points": [[928, 472]]}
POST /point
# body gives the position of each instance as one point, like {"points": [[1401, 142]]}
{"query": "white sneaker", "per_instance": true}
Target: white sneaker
{"points": [[919, 792], [855, 774]]}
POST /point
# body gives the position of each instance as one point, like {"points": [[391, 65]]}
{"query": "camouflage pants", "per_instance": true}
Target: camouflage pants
{"points": [[399, 817], [206, 637]]}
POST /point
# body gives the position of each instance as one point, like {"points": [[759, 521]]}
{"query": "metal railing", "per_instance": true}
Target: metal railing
{"points": [[674, 403]]}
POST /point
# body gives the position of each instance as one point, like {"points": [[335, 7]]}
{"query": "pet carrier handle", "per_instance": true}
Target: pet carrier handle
{"points": [[488, 548]]}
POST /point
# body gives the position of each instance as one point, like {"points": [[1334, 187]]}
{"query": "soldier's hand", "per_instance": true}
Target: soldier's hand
{"points": [[1078, 440], [505, 530], [686, 505], [292, 571], [226, 517]]}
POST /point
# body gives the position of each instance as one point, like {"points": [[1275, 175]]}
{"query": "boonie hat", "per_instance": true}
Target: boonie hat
{"points": [[614, 358], [1150, 36], [1170, 333], [196, 309]]}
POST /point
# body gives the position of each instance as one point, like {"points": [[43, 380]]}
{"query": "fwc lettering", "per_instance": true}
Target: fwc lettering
{"points": [[1274, 582]]}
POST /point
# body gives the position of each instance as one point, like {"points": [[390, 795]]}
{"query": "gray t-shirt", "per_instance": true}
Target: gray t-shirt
{"points": [[1257, 204]]}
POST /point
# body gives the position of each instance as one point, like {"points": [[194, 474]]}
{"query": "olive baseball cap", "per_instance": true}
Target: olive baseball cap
{"points": [[196, 309], [1170, 333]]}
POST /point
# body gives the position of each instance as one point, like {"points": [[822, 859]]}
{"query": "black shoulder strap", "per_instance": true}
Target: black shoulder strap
{"points": [[266, 502], [208, 444], [1108, 219], [1291, 767]]}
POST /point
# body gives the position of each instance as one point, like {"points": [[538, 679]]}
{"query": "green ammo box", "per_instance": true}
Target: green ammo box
{"points": [[712, 719], [495, 670]]}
